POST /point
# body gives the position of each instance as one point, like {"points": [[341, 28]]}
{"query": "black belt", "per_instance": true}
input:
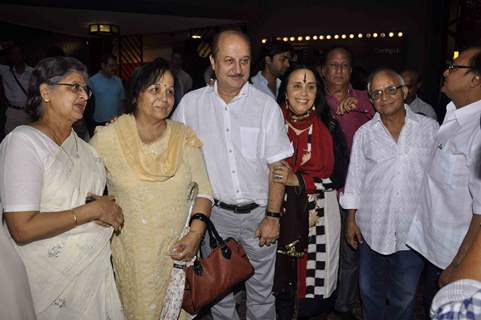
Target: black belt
{"points": [[246, 208]]}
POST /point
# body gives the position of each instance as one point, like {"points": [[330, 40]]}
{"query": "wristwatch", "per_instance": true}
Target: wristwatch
{"points": [[273, 214]]}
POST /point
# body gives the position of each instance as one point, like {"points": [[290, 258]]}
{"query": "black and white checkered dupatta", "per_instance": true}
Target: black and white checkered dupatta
{"points": [[317, 242], [175, 291]]}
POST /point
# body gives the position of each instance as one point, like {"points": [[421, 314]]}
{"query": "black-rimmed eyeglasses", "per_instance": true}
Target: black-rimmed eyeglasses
{"points": [[76, 88], [452, 66]]}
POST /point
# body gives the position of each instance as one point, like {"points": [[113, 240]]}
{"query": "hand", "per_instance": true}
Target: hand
{"points": [[282, 173], [108, 213], [186, 248], [268, 231], [347, 105], [447, 274], [353, 233]]}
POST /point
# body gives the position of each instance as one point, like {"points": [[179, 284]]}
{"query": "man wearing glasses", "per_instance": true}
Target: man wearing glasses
{"points": [[388, 158], [449, 216], [351, 108]]}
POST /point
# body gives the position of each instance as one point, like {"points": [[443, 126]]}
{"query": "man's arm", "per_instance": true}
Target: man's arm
{"points": [[452, 269], [268, 229]]}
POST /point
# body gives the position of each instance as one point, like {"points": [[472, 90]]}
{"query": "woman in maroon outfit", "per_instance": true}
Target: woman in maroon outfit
{"points": [[308, 248]]}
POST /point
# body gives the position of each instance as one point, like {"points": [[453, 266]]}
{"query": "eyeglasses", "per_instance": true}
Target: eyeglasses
{"points": [[391, 90], [451, 67], [76, 88]]}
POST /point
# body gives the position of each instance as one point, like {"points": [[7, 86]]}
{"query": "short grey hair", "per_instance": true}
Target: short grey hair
{"points": [[384, 70]]}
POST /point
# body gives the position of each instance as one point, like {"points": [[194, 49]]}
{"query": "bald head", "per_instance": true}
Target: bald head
{"points": [[385, 73], [229, 35]]}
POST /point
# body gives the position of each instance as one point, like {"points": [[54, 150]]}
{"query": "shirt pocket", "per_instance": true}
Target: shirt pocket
{"points": [[450, 169], [249, 138]]}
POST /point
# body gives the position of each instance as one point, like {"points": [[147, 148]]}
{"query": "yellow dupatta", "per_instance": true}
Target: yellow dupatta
{"points": [[148, 166]]}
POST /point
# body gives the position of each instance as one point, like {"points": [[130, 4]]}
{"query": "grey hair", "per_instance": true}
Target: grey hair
{"points": [[384, 70]]}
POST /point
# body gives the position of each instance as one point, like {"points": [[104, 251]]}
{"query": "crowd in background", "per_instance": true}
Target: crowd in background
{"points": [[338, 194]]}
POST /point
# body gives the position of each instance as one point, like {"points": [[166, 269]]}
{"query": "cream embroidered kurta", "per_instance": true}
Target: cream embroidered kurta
{"points": [[154, 211]]}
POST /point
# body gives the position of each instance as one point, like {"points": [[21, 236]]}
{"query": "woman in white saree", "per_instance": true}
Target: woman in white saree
{"points": [[46, 173]]}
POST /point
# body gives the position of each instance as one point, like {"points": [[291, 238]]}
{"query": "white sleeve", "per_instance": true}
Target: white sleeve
{"points": [[21, 174], [277, 144], [351, 197], [179, 113]]}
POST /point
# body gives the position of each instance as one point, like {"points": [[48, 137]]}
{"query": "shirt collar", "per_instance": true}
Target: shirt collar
{"points": [[464, 115], [243, 92], [410, 115]]}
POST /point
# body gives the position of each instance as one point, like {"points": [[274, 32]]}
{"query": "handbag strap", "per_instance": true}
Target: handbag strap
{"points": [[215, 238]]}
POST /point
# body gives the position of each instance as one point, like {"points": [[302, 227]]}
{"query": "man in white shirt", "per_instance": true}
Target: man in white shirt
{"points": [[243, 136], [15, 79], [274, 62], [413, 83], [449, 214], [388, 160]]}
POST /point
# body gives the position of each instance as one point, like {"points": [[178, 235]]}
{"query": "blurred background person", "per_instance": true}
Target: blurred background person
{"points": [[311, 222], [413, 82], [151, 162], [273, 63], [108, 91], [183, 82], [15, 79], [47, 172]]}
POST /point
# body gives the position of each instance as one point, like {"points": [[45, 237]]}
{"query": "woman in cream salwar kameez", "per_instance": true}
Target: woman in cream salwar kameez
{"points": [[151, 161]]}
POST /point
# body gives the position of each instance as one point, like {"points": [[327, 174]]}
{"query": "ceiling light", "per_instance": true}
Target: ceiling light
{"points": [[103, 28]]}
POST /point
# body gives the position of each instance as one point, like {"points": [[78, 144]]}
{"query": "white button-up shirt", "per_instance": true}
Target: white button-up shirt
{"points": [[384, 179], [451, 191], [240, 140], [260, 83]]}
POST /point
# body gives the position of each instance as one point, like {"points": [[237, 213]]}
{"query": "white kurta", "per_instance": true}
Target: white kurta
{"points": [[70, 275]]}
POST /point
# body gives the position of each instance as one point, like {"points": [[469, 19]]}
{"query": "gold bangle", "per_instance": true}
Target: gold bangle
{"points": [[75, 218]]}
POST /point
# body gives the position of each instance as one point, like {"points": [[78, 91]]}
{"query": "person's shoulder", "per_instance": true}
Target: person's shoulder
{"points": [[95, 77], [117, 78], [194, 95], [360, 93], [261, 98], [26, 136]]}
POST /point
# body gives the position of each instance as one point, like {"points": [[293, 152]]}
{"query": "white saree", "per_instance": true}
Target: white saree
{"points": [[70, 274]]}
